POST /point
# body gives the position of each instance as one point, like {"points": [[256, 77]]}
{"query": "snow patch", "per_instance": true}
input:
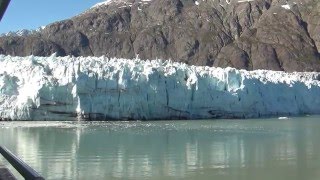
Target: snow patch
{"points": [[286, 6], [102, 4], [107, 2], [23, 32], [241, 1]]}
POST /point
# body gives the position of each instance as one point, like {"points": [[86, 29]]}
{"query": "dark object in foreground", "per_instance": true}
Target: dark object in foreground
{"points": [[3, 6], [24, 169], [5, 174]]}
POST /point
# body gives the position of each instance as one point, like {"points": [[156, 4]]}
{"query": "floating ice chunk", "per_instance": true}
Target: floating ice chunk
{"points": [[283, 118]]}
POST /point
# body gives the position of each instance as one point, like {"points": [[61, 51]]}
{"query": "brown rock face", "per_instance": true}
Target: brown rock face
{"points": [[258, 34]]}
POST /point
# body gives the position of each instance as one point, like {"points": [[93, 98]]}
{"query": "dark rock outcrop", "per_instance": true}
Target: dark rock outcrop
{"points": [[256, 34]]}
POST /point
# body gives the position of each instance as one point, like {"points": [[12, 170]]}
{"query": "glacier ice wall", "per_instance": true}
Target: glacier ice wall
{"points": [[98, 88]]}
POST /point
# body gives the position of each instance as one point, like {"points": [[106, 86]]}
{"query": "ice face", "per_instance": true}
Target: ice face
{"points": [[98, 88]]}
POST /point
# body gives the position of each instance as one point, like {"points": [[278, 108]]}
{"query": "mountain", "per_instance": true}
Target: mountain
{"points": [[245, 34]]}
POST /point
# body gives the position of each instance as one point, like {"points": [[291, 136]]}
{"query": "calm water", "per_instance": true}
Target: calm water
{"points": [[265, 149]]}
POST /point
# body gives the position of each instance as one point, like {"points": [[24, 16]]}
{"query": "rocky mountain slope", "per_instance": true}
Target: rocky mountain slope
{"points": [[245, 34]]}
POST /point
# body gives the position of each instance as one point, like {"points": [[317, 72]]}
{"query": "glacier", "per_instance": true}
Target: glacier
{"points": [[101, 88]]}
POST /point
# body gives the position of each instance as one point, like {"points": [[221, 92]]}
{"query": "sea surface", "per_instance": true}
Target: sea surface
{"points": [[254, 149]]}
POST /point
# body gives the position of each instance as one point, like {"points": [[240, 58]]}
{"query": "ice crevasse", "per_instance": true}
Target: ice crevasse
{"points": [[100, 88]]}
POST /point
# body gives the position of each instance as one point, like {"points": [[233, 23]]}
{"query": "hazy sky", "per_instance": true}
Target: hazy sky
{"points": [[31, 14]]}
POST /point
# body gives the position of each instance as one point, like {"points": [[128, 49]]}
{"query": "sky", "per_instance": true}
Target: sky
{"points": [[31, 14]]}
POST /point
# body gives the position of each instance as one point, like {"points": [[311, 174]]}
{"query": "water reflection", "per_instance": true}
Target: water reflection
{"points": [[250, 149]]}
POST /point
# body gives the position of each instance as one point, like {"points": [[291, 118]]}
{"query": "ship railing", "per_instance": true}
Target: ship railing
{"points": [[23, 168]]}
